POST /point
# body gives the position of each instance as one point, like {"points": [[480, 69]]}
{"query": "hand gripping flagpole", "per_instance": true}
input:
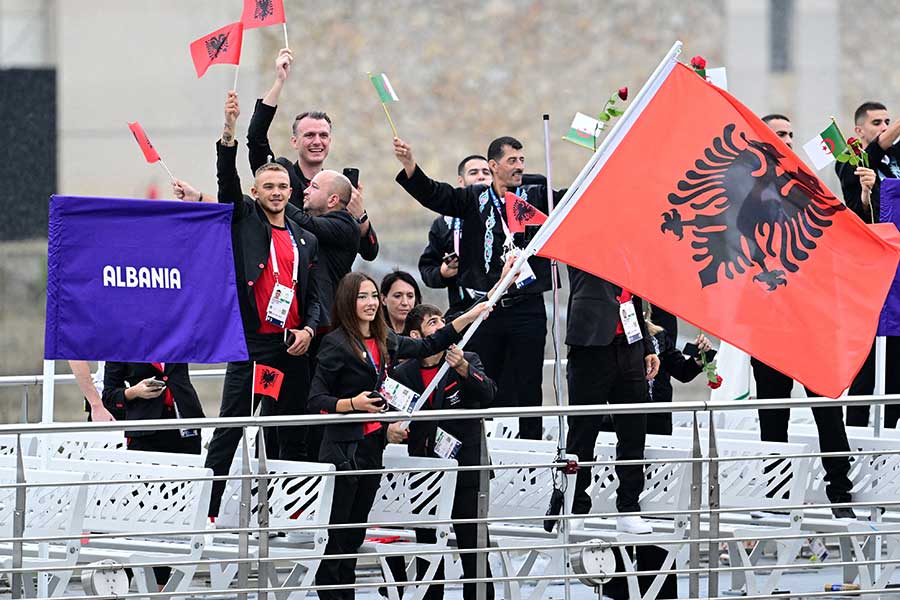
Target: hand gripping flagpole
{"points": [[559, 211]]}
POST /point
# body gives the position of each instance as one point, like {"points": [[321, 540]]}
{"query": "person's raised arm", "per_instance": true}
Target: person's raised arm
{"points": [[440, 197], [226, 152], [889, 135], [258, 146]]}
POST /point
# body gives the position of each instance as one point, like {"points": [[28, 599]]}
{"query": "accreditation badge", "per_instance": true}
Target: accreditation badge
{"points": [[279, 304], [445, 445], [397, 395], [630, 324]]}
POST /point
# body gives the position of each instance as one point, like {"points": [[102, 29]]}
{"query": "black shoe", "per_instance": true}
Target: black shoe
{"points": [[843, 512]]}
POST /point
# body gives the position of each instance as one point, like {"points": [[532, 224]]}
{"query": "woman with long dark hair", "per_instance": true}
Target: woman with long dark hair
{"points": [[352, 363]]}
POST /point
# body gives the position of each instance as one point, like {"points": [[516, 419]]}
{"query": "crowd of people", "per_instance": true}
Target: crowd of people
{"points": [[340, 337]]}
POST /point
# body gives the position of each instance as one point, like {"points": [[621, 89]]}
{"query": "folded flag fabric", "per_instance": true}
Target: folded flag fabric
{"points": [[520, 213], [267, 380], [221, 47], [825, 147], [143, 141], [384, 88], [261, 13], [747, 244], [584, 131], [141, 281]]}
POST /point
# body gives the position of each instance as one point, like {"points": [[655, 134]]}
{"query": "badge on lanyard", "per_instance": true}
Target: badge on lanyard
{"points": [[282, 296], [445, 445], [399, 396], [630, 324]]}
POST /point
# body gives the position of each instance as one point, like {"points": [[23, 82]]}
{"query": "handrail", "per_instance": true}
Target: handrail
{"points": [[432, 415]]}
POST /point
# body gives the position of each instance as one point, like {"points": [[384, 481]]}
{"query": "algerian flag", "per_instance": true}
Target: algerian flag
{"points": [[823, 148], [718, 77], [384, 88], [584, 131]]}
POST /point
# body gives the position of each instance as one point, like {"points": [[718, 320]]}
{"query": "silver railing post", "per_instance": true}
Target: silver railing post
{"points": [[265, 578], [24, 418], [18, 521], [484, 482], [696, 497], [244, 517], [713, 484]]}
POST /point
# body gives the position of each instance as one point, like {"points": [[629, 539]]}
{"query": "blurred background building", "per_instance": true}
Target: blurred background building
{"points": [[73, 73]]}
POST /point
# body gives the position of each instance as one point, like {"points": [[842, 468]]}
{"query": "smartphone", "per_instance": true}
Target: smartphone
{"points": [[382, 404], [691, 349], [353, 175], [157, 383], [289, 338], [449, 257]]}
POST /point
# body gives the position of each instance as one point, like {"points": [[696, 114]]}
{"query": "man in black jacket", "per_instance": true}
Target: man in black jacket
{"points": [[511, 344], [465, 385], [311, 138], [275, 262], [862, 194], [611, 358], [439, 263]]}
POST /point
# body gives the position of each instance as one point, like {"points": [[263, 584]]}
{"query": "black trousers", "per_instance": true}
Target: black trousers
{"points": [[864, 385], [286, 443], [354, 496], [611, 374], [773, 427], [511, 346]]}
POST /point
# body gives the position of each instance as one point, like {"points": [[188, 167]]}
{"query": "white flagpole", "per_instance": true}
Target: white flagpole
{"points": [[880, 378], [164, 166], [237, 68], [253, 391], [284, 28], [609, 143]]}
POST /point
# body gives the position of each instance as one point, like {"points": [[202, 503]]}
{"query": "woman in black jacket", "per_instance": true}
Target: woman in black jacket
{"points": [[672, 363], [352, 363]]}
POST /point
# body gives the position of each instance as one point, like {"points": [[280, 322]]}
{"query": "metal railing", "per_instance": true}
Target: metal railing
{"points": [[705, 517]]}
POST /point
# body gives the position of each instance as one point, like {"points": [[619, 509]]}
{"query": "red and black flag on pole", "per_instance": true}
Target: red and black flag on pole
{"points": [[266, 381], [728, 230], [221, 47]]}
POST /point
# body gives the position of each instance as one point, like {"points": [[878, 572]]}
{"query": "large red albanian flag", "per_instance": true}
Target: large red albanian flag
{"points": [[703, 211]]}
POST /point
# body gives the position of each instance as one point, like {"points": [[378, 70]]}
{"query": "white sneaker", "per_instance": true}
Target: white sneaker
{"points": [[635, 525]]}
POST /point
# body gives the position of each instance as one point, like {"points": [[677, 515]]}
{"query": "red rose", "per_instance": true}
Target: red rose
{"points": [[698, 62], [714, 385], [623, 93], [852, 140]]}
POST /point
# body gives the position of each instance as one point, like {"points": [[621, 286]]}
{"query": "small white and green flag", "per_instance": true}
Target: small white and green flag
{"points": [[384, 88], [584, 131], [825, 147]]}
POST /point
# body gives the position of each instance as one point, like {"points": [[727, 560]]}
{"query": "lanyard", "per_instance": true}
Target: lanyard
{"points": [[496, 202], [457, 226], [275, 257]]}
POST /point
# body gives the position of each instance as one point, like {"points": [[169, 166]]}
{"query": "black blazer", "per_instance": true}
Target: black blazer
{"points": [[475, 391], [594, 312], [251, 234], [338, 235], [467, 204], [344, 369], [440, 242], [260, 152], [118, 374]]}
